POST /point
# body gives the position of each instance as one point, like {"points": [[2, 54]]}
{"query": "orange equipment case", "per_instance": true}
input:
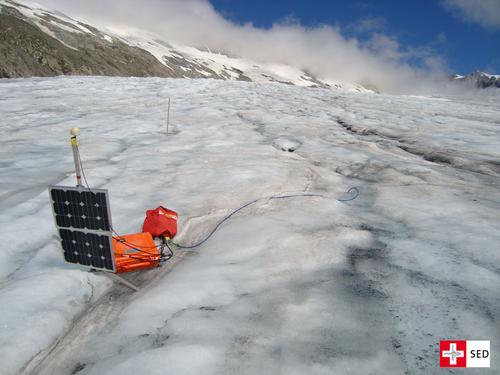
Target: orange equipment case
{"points": [[135, 252]]}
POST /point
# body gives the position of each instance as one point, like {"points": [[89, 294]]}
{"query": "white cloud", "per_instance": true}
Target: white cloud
{"points": [[385, 47], [484, 12], [322, 50]]}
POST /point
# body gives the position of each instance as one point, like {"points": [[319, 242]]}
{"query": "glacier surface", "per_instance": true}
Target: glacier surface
{"points": [[308, 285]]}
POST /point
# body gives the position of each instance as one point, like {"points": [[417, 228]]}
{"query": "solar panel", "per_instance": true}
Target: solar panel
{"points": [[80, 208], [83, 221], [88, 249]]}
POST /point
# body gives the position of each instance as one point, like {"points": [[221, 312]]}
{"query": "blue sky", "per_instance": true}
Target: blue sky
{"points": [[447, 28]]}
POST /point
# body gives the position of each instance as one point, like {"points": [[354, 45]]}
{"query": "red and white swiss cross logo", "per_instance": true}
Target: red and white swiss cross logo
{"points": [[462, 353], [453, 353]]}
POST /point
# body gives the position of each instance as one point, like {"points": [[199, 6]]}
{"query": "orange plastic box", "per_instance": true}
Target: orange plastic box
{"points": [[135, 252]]}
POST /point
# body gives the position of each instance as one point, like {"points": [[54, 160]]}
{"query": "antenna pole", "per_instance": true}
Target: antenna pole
{"points": [[168, 114], [75, 132]]}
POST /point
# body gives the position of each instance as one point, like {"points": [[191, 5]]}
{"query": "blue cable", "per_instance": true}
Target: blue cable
{"points": [[255, 201], [131, 245]]}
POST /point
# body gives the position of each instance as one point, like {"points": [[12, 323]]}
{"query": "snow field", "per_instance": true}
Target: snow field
{"points": [[307, 285]]}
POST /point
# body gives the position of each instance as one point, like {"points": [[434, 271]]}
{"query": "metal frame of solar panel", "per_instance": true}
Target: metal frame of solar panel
{"points": [[83, 220]]}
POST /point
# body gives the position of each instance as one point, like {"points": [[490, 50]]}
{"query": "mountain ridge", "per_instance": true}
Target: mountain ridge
{"points": [[479, 79], [39, 42]]}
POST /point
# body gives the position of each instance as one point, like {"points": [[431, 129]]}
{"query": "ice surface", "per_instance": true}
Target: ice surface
{"points": [[301, 286]]}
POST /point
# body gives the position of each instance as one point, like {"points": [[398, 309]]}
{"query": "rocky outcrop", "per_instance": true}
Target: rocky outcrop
{"points": [[480, 79], [25, 51]]}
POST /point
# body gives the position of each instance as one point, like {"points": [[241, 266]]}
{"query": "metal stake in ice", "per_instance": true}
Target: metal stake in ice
{"points": [[75, 132]]}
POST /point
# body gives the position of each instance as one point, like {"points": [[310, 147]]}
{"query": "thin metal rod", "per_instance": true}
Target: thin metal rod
{"points": [[123, 281], [74, 146], [168, 114]]}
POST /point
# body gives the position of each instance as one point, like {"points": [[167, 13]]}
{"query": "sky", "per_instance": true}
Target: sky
{"points": [[392, 46], [450, 28]]}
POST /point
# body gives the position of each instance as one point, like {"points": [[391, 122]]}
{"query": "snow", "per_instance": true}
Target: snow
{"points": [[476, 75], [219, 63], [497, 76], [257, 71], [36, 12], [39, 310], [286, 144], [38, 16], [308, 285]]}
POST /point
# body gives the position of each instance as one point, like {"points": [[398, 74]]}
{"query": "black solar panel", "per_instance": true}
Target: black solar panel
{"points": [[88, 249], [84, 223], [82, 209]]}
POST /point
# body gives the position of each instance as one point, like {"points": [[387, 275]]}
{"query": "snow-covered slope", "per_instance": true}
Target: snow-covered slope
{"points": [[232, 68], [300, 286], [91, 51]]}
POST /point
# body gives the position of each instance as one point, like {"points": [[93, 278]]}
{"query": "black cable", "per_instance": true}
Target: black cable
{"points": [[171, 252]]}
